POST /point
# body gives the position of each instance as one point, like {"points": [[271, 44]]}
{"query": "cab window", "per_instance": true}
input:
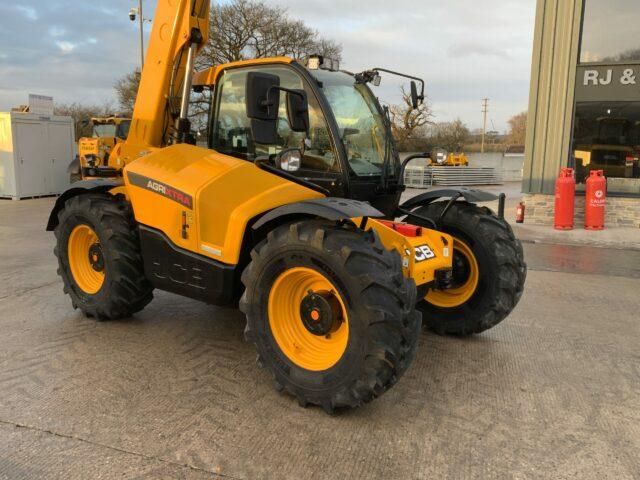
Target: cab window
{"points": [[231, 130]]}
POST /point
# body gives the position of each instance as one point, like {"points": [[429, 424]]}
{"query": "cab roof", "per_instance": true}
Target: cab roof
{"points": [[208, 77]]}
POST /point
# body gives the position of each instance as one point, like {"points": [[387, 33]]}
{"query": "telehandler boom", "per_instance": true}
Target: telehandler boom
{"points": [[291, 213]]}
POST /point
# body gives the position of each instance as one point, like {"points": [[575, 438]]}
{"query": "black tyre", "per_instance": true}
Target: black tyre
{"points": [[330, 313], [489, 271], [99, 257]]}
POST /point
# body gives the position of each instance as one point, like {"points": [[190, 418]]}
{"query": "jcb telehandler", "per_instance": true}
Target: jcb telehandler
{"points": [[95, 151], [290, 213]]}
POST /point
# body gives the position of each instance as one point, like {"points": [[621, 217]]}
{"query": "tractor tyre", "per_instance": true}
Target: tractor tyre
{"points": [[99, 259], [489, 271], [330, 313]]}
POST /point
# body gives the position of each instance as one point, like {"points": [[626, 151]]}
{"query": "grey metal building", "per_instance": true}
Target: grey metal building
{"points": [[584, 106]]}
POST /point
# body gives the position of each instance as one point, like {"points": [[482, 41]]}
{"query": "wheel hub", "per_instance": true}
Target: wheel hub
{"points": [[461, 269], [319, 313], [96, 258]]}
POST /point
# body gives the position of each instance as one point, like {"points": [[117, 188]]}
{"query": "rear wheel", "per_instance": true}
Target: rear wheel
{"points": [[330, 313], [99, 257], [489, 271]]}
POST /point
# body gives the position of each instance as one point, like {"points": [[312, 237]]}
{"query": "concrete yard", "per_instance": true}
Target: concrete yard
{"points": [[553, 392]]}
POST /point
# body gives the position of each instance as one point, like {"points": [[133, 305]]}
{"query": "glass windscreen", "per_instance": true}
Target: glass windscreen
{"points": [[607, 137], [104, 130], [610, 31], [361, 124]]}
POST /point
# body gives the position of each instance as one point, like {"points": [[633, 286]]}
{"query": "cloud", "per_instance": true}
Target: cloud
{"points": [[57, 31], [66, 47], [465, 50], [27, 11]]}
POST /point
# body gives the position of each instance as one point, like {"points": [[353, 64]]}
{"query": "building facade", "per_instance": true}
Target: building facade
{"points": [[584, 105]]}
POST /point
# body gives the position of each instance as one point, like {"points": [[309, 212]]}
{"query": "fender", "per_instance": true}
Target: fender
{"points": [[329, 208], [469, 194], [98, 185]]}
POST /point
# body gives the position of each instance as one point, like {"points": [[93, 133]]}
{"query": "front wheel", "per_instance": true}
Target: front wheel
{"points": [[99, 257], [330, 313], [489, 271]]}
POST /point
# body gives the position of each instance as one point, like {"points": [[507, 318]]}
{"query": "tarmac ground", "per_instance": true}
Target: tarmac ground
{"points": [[552, 392]]}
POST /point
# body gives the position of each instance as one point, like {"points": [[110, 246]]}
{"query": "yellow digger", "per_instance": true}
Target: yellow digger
{"points": [[292, 213], [94, 152]]}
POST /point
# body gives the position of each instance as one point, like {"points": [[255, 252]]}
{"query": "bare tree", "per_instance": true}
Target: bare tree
{"points": [[407, 122], [244, 29], [126, 90], [451, 136], [518, 129], [82, 115]]}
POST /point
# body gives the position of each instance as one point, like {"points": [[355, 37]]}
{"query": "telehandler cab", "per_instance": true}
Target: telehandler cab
{"points": [[290, 213]]}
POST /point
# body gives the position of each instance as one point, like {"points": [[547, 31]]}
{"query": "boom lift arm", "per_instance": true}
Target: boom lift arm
{"points": [[160, 114]]}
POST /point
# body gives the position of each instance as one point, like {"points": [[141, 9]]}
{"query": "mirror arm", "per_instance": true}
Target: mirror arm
{"points": [[417, 79], [406, 161], [268, 102]]}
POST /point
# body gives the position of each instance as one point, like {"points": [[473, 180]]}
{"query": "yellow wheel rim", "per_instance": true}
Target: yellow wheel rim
{"points": [[84, 254], [307, 350], [454, 297]]}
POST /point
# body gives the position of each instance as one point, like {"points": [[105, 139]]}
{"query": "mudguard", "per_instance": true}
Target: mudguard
{"points": [[469, 194], [83, 186], [329, 208]]}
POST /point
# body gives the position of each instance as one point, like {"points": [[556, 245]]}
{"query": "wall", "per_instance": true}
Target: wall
{"points": [[553, 74], [509, 166], [619, 211]]}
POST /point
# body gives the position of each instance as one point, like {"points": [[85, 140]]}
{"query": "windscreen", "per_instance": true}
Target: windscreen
{"points": [[104, 130], [361, 124]]}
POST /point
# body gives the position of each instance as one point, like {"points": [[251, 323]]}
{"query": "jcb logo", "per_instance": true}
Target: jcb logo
{"points": [[423, 252]]}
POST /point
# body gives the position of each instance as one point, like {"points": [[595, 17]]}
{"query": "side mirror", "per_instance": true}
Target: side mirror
{"points": [[289, 160], [298, 110], [263, 96], [262, 104], [415, 100]]}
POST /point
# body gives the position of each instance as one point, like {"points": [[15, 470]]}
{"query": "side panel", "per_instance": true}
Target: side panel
{"points": [[202, 200], [173, 270]]}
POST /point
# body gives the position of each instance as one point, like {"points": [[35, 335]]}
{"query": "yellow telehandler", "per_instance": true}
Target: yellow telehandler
{"points": [[292, 213], [94, 152]]}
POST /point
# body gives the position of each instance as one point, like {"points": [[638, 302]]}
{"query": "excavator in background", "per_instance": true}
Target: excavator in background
{"points": [[94, 152], [292, 213]]}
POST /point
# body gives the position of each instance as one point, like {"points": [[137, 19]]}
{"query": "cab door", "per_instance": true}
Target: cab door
{"points": [[230, 131]]}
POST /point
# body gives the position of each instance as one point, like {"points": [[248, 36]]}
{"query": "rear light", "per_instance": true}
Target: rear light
{"points": [[403, 229]]}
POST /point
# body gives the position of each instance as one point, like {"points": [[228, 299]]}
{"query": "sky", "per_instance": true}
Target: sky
{"points": [[466, 50]]}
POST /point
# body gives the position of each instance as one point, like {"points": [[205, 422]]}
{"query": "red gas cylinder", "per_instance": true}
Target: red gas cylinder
{"points": [[595, 200], [520, 213], [565, 198]]}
